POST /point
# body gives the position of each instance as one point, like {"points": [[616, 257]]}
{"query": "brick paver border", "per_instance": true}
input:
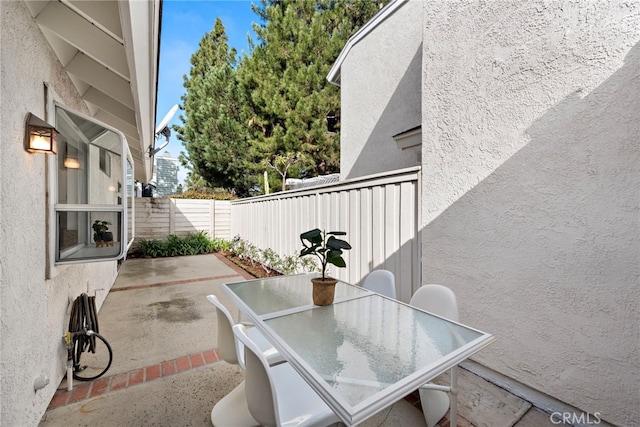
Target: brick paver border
{"points": [[90, 389]]}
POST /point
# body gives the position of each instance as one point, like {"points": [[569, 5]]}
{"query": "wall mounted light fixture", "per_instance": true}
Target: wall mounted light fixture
{"points": [[40, 136]]}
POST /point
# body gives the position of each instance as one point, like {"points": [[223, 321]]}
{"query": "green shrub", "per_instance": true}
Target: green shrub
{"points": [[220, 245], [218, 194], [269, 260], [152, 248], [173, 245]]}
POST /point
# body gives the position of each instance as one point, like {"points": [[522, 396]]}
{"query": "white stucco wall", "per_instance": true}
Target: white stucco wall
{"points": [[530, 160], [380, 95], [33, 309]]}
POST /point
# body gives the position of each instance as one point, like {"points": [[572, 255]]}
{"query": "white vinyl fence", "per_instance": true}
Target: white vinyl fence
{"points": [[380, 214], [156, 218]]}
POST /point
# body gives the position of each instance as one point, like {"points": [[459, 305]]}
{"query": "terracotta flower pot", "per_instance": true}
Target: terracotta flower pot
{"points": [[323, 290]]}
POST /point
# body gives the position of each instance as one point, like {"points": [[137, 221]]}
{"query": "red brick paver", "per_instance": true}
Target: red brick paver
{"points": [[196, 360], [183, 364], [136, 377], [152, 372], [168, 367], [59, 399], [80, 392], [210, 356], [119, 381], [100, 386]]}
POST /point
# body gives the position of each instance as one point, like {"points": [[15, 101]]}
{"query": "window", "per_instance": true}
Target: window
{"points": [[105, 162], [92, 216]]}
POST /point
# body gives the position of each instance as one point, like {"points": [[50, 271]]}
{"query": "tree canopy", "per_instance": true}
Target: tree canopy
{"points": [[215, 115], [241, 116]]}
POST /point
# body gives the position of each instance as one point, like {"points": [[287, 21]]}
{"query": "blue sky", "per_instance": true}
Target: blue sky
{"points": [[184, 22]]}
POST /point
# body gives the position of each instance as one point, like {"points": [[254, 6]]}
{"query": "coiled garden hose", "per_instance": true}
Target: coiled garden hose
{"points": [[83, 317]]}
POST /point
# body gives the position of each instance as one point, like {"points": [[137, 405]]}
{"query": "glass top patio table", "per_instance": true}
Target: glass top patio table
{"points": [[360, 354]]}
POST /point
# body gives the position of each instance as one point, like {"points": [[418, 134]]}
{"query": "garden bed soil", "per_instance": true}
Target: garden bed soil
{"points": [[255, 269]]}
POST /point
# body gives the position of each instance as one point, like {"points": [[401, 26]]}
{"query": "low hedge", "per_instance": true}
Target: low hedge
{"points": [[191, 244], [213, 194]]}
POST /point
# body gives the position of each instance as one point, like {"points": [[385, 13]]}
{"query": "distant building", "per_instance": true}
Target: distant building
{"points": [[166, 175]]}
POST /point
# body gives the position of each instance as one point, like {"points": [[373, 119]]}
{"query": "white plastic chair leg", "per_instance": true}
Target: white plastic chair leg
{"points": [[232, 410], [435, 405], [437, 399]]}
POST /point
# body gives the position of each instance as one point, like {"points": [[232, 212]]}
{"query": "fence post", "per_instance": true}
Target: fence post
{"points": [[212, 220], [172, 216]]}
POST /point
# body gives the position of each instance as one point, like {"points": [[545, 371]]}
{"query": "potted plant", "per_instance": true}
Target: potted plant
{"points": [[101, 234], [328, 249]]}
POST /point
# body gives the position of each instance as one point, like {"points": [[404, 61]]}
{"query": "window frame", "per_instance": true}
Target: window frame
{"points": [[121, 210]]}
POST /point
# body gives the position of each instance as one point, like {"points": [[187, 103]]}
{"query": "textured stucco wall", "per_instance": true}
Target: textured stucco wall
{"points": [[380, 95], [531, 124], [33, 309]]}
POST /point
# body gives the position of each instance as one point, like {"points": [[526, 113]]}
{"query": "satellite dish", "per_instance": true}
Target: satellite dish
{"points": [[163, 124], [163, 130]]}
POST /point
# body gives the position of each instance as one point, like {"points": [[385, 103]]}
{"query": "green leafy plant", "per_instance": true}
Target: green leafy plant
{"points": [[325, 246], [220, 245], [177, 246], [288, 265], [216, 194], [269, 259], [173, 245], [152, 248]]}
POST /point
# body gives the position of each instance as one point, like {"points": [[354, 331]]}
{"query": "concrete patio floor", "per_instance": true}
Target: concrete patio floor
{"points": [[166, 371]]}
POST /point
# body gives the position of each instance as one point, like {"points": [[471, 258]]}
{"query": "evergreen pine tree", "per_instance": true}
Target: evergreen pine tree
{"points": [[273, 104], [215, 120], [295, 109]]}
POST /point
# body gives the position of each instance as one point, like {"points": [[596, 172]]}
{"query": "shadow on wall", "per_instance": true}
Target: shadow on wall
{"points": [[544, 252], [403, 112]]}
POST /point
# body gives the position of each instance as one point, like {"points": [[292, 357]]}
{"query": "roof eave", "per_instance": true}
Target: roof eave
{"points": [[334, 73], [141, 34]]}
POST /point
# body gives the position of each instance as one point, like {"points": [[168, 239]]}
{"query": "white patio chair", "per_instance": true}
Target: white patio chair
{"points": [[277, 395], [440, 300], [232, 409], [230, 349], [382, 282]]}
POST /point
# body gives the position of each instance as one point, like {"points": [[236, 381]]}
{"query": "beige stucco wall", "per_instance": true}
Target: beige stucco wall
{"points": [[531, 189], [380, 96], [33, 309]]}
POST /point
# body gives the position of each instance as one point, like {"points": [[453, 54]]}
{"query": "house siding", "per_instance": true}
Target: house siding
{"points": [[530, 198], [33, 303], [380, 95]]}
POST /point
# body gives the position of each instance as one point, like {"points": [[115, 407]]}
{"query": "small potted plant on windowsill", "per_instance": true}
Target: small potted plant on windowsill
{"points": [[101, 234], [328, 249]]}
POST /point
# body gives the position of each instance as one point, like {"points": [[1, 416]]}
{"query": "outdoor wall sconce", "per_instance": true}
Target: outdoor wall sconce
{"points": [[40, 136]]}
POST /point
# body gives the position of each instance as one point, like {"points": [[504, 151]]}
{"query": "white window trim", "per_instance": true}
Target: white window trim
{"points": [[53, 266], [412, 138], [51, 188]]}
